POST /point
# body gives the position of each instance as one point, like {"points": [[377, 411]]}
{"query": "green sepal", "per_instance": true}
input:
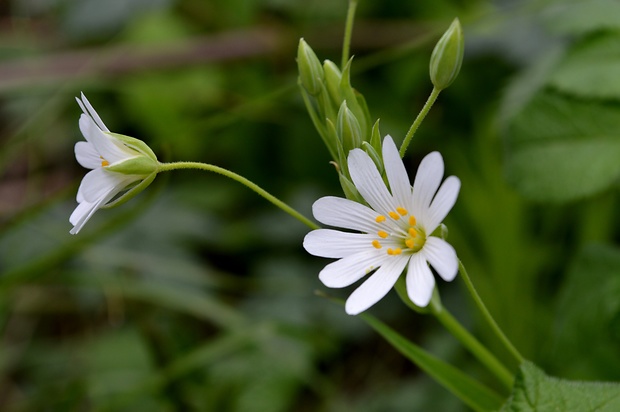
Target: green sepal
{"points": [[135, 144], [350, 95], [310, 69], [341, 157], [361, 100], [374, 155], [318, 124], [137, 165], [332, 81], [447, 56], [441, 232], [375, 137], [128, 195], [349, 189], [348, 128], [328, 110]]}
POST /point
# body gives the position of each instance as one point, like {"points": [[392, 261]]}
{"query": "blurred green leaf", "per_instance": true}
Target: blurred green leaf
{"points": [[582, 16], [590, 69], [563, 149], [474, 394], [588, 313], [535, 391]]}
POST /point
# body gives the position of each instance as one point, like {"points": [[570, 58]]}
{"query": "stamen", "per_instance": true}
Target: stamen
{"points": [[380, 219], [397, 251], [412, 221], [402, 211], [382, 234], [413, 232], [105, 163], [376, 244], [410, 243], [390, 251], [394, 215]]}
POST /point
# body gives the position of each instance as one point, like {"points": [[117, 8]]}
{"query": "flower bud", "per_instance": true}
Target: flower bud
{"points": [[332, 81], [348, 129], [447, 56], [310, 69]]}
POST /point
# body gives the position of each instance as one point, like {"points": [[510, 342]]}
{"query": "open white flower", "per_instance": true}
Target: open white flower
{"points": [[119, 163], [396, 228]]}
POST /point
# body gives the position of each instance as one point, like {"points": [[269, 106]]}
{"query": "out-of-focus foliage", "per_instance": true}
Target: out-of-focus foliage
{"points": [[197, 295]]}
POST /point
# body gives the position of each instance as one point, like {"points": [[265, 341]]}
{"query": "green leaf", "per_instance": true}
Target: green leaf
{"points": [[592, 282], [582, 16], [562, 149], [535, 391], [474, 394], [590, 69]]}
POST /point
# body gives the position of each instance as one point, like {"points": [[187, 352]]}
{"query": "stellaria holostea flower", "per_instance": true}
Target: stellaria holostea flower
{"points": [[396, 230], [119, 163]]}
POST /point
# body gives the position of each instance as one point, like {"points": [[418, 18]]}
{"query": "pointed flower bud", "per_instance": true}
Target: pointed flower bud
{"points": [[310, 70], [348, 128], [447, 56]]}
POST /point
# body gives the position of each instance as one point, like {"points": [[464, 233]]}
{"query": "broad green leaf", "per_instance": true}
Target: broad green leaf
{"points": [[582, 16], [535, 391], [588, 311], [474, 394], [590, 68], [562, 149]]}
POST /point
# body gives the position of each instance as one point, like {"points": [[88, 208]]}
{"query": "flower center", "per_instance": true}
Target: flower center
{"points": [[402, 229]]}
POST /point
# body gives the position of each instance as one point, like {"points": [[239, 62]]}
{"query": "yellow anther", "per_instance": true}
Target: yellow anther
{"points": [[394, 215], [380, 219], [402, 211], [376, 244], [397, 251], [390, 251], [412, 220], [382, 234], [105, 163], [410, 243], [413, 232]]}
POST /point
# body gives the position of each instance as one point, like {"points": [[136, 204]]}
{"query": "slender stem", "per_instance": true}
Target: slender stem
{"points": [[165, 167], [348, 29], [488, 318], [418, 120], [473, 345]]}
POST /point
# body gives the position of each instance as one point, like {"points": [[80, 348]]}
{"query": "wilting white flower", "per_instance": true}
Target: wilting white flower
{"points": [[119, 163], [396, 229]]}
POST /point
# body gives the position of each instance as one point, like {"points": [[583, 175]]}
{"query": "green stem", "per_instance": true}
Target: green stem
{"points": [[165, 167], [488, 318], [418, 120], [348, 29], [473, 345]]}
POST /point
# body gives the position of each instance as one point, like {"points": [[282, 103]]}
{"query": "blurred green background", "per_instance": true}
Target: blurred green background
{"points": [[198, 296]]}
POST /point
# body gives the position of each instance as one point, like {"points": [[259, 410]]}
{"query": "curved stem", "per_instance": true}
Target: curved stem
{"points": [[418, 120], [488, 318], [165, 167], [348, 29], [473, 345]]}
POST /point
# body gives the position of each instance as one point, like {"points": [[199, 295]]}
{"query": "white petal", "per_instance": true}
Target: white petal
{"points": [[84, 211], [442, 256], [346, 214], [376, 286], [108, 149], [98, 183], [396, 173], [87, 155], [420, 281], [369, 183], [427, 180], [442, 203], [88, 109], [330, 243], [352, 268]]}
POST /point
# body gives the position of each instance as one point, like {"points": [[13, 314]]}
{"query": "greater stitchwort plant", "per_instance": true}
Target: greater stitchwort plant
{"points": [[384, 231]]}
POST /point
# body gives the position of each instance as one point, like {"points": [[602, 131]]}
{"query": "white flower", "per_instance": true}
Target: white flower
{"points": [[396, 228], [118, 163]]}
